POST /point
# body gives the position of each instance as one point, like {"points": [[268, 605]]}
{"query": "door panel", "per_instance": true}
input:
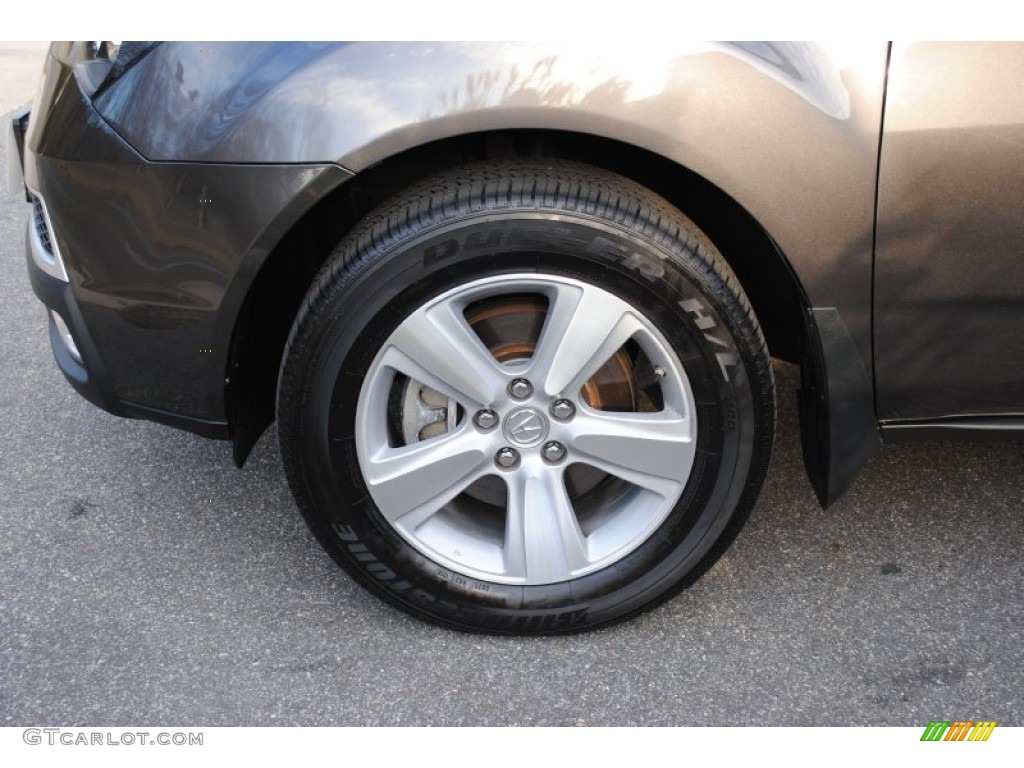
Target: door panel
{"points": [[949, 271]]}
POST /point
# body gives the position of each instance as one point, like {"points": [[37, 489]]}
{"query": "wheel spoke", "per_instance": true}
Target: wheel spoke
{"points": [[413, 482], [436, 347], [652, 450], [543, 541], [583, 329]]}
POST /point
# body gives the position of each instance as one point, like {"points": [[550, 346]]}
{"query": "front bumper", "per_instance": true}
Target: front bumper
{"points": [[72, 345], [149, 262], [49, 279]]}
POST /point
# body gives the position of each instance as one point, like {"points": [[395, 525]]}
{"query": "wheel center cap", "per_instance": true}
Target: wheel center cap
{"points": [[525, 426]]}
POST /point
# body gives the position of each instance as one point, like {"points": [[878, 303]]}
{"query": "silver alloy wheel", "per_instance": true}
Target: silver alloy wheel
{"points": [[536, 522]]}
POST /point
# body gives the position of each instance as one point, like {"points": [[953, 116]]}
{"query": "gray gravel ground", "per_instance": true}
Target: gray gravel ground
{"points": [[125, 598]]}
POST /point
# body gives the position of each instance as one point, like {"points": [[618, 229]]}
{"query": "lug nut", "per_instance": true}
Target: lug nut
{"points": [[553, 452], [520, 389], [563, 410], [506, 458], [486, 419]]}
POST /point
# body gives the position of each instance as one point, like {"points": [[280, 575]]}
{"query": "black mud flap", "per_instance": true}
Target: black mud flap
{"points": [[837, 412]]}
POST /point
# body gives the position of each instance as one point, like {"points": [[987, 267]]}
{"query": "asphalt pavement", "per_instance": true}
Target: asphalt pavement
{"points": [[146, 580]]}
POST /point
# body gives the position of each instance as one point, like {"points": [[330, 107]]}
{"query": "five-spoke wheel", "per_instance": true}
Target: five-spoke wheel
{"points": [[522, 458]]}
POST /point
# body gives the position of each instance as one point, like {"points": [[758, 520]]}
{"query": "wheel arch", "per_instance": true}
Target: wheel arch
{"points": [[286, 272]]}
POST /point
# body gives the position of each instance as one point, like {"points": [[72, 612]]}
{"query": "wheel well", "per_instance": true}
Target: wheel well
{"points": [[274, 298]]}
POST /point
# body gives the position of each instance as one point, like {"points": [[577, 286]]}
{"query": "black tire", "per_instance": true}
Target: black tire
{"points": [[470, 229]]}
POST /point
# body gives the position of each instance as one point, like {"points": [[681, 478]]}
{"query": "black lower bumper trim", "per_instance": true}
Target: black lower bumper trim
{"points": [[218, 430]]}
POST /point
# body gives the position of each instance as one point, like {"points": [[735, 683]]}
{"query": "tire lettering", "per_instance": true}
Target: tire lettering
{"points": [[696, 309], [602, 246], [528, 236], [363, 554], [705, 322], [644, 264], [726, 359], [564, 234], [423, 598], [635, 260], [440, 252], [381, 571], [730, 415], [345, 533], [484, 240]]}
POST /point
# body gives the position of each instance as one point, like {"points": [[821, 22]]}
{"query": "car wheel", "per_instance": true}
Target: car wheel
{"points": [[525, 398]]}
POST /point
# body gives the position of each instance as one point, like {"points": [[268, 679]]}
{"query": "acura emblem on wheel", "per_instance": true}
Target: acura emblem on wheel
{"points": [[525, 426], [524, 422]]}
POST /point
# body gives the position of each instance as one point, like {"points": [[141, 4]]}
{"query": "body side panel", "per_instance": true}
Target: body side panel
{"points": [[950, 256]]}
